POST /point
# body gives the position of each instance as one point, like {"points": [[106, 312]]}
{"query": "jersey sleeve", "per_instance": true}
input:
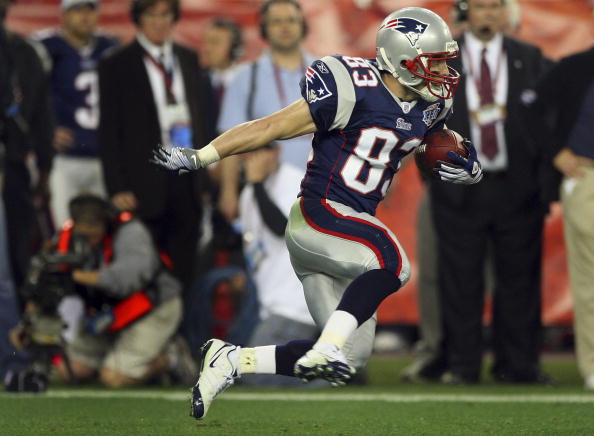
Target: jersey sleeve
{"points": [[329, 92]]}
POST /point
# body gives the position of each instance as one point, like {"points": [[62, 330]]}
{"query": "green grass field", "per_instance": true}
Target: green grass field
{"points": [[384, 407]]}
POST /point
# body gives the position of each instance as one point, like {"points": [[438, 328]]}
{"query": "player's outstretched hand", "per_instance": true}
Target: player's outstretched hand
{"points": [[466, 171], [178, 159]]}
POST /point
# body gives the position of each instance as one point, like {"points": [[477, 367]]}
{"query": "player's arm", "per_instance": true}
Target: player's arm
{"points": [[289, 122]]}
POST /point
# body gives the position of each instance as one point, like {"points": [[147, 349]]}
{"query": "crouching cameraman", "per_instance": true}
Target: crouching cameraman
{"points": [[133, 304]]}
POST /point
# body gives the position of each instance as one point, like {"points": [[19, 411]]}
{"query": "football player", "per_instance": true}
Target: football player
{"points": [[73, 52], [366, 115]]}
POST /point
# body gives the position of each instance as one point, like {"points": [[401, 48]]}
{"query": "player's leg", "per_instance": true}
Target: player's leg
{"points": [[328, 237], [323, 294], [379, 268]]}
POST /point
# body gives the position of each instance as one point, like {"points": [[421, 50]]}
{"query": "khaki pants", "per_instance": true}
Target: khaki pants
{"points": [[577, 196], [130, 351]]}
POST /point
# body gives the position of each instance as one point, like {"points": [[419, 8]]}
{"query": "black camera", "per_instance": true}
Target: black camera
{"points": [[48, 280]]}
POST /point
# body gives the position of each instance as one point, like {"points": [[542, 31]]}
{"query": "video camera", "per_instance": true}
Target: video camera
{"points": [[48, 281], [49, 278]]}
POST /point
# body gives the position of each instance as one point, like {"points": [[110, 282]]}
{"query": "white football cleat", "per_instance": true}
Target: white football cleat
{"points": [[217, 373], [326, 362]]}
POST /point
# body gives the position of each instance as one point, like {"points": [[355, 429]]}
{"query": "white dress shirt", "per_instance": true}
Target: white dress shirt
{"points": [[165, 55], [497, 62]]}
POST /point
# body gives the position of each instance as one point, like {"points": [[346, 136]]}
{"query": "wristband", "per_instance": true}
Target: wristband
{"points": [[207, 155]]}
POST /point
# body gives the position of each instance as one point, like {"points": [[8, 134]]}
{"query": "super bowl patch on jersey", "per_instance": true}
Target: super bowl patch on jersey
{"points": [[316, 87], [431, 113], [322, 67]]}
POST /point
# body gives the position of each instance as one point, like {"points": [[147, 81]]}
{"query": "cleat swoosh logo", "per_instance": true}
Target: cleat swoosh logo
{"points": [[218, 354], [193, 157]]}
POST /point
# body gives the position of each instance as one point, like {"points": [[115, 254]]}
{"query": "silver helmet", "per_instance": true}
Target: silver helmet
{"points": [[408, 41]]}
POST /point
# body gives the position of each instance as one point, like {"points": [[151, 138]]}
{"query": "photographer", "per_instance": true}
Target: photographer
{"points": [[133, 304]]}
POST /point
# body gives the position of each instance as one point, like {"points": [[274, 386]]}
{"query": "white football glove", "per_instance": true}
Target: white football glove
{"points": [[177, 159], [465, 171]]}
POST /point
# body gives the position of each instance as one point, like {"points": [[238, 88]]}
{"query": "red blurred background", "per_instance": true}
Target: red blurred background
{"points": [[559, 27]]}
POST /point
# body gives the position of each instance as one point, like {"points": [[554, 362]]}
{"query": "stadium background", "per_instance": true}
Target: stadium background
{"points": [[559, 27]]}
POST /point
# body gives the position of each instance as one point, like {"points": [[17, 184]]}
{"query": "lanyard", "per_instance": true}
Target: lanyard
{"points": [[167, 77], [279, 82], [476, 79]]}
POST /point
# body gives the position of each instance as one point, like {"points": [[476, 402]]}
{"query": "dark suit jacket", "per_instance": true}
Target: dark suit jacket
{"points": [[129, 126], [555, 108], [526, 161], [32, 128]]}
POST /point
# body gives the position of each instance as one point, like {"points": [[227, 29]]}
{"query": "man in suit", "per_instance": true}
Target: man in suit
{"points": [[153, 91], [504, 211]]}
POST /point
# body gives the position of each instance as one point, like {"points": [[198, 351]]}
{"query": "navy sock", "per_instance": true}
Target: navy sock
{"points": [[364, 295], [286, 355]]}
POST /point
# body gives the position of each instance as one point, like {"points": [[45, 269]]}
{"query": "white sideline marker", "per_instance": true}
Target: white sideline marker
{"points": [[385, 397]]}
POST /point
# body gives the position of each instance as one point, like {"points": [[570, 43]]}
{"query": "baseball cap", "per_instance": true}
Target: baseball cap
{"points": [[69, 4]]}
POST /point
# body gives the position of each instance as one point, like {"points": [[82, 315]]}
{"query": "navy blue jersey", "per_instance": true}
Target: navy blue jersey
{"points": [[364, 131], [75, 88]]}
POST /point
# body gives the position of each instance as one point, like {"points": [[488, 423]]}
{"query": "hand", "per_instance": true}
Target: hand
{"points": [[63, 139], [125, 201], [41, 192], [260, 164], [569, 163], [177, 159], [86, 278], [228, 203], [463, 171], [16, 336]]}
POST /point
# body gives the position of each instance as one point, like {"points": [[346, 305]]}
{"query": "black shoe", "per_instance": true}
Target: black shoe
{"points": [[533, 377]]}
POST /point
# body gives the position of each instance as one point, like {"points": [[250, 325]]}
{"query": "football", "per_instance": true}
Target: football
{"points": [[435, 148]]}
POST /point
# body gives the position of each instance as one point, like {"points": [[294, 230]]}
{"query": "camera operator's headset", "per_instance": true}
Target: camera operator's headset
{"points": [[139, 303], [461, 11]]}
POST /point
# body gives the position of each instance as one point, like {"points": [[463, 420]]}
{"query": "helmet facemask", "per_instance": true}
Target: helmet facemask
{"points": [[438, 85]]}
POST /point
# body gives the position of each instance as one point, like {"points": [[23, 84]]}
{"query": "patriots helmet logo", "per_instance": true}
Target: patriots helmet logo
{"points": [[410, 27]]}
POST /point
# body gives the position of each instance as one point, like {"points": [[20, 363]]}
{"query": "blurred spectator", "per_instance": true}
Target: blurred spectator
{"points": [[264, 206], [504, 211], [576, 162], [265, 86], [222, 48], [430, 362], [133, 304], [25, 128], [154, 91], [74, 51], [562, 116]]}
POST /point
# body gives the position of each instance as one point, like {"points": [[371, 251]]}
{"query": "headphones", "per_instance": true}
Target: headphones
{"points": [[236, 51], [137, 8], [461, 11], [264, 11]]}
